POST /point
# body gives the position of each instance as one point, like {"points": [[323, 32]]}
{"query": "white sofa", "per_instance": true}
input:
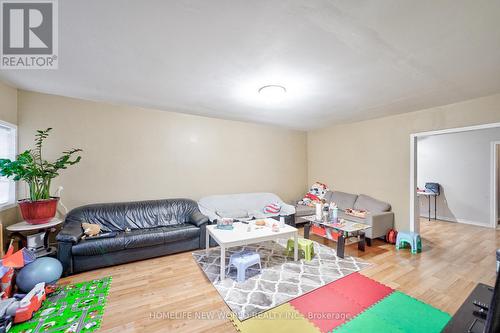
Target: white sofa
{"points": [[243, 206]]}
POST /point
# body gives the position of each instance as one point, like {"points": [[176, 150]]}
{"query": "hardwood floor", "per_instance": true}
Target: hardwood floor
{"points": [[165, 294]]}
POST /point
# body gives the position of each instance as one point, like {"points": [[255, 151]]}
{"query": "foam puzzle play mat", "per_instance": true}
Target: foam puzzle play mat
{"points": [[354, 303], [72, 308]]}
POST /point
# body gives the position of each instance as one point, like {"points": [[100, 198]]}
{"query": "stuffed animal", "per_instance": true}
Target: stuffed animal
{"points": [[90, 229], [316, 194]]}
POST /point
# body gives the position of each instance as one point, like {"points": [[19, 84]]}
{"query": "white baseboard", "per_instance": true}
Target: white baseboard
{"points": [[448, 219]]}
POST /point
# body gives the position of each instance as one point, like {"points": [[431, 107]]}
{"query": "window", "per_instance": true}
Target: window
{"points": [[8, 143]]}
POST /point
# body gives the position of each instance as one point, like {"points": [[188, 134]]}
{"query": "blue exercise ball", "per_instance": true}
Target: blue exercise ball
{"points": [[43, 269]]}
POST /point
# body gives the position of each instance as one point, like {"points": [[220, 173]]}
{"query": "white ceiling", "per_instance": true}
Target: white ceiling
{"points": [[340, 61]]}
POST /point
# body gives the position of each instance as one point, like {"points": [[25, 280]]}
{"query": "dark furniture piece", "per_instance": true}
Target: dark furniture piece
{"points": [[464, 317], [480, 313], [144, 229]]}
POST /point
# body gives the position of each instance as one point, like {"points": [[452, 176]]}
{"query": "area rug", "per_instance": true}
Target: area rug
{"points": [[281, 280], [354, 303], [71, 309]]}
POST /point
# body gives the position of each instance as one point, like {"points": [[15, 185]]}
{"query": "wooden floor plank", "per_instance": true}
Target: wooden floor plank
{"points": [[166, 294]]}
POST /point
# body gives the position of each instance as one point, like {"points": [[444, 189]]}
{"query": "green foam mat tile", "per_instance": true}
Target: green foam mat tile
{"points": [[409, 314], [368, 322], [74, 308]]}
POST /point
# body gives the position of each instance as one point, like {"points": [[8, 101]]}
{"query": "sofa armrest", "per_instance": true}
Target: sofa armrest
{"points": [[198, 219], [287, 209], [70, 233], [381, 223]]}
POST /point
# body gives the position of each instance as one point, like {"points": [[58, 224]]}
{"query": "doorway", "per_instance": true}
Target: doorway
{"points": [[493, 194]]}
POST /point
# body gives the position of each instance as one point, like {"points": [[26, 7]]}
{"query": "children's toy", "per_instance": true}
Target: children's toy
{"points": [[72, 308], [13, 310], [44, 269], [305, 245], [410, 238], [90, 229], [391, 236], [316, 193], [10, 261]]}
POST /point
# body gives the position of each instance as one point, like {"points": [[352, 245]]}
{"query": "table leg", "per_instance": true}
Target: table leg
{"points": [[207, 241], [429, 199], [435, 207], [341, 245], [307, 229], [295, 247], [361, 243], [222, 263], [46, 238]]}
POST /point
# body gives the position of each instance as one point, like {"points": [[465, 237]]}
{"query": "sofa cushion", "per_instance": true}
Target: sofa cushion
{"points": [[87, 247], [135, 239], [371, 204], [343, 215], [344, 200], [328, 196], [302, 210], [180, 232]]}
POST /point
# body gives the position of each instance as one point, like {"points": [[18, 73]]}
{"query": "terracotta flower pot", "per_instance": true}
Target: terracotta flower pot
{"points": [[40, 211]]}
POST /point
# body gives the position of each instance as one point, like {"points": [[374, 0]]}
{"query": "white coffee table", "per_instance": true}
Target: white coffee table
{"points": [[240, 235]]}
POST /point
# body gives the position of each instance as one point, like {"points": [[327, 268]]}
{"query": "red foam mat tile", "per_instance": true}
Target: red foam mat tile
{"points": [[360, 289], [338, 302], [325, 308]]}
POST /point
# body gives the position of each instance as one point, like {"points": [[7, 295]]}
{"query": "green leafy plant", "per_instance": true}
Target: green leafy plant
{"points": [[38, 173]]}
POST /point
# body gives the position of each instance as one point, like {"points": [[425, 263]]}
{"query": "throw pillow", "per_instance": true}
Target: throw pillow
{"points": [[272, 208]]}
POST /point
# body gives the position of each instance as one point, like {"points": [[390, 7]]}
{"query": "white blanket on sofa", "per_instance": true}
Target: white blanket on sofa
{"points": [[242, 205]]}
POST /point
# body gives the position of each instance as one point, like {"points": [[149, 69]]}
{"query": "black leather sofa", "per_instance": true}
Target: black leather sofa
{"points": [[157, 228]]}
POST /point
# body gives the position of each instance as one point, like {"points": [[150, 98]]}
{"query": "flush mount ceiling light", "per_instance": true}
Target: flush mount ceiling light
{"points": [[272, 92]]}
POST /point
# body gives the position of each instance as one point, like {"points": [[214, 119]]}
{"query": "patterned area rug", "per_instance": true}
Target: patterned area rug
{"points": [[75, 308], [281, 279]]}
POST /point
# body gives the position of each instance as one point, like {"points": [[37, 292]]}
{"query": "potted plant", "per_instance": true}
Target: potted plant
{"points": [[38, 173]]}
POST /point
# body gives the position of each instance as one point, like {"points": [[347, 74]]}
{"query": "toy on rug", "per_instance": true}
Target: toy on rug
{"points": [[19, 308], [15, 310], [90, 229], [71, 308], [316, 194]]}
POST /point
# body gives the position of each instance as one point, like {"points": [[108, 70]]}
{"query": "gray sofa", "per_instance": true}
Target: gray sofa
{"points": [[379, 217]]}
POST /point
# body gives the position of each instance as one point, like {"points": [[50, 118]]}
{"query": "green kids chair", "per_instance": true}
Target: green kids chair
{"points": [[305, 245]]}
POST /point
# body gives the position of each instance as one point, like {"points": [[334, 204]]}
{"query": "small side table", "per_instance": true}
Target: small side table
{"points": [[21, 229], [429, 195]]}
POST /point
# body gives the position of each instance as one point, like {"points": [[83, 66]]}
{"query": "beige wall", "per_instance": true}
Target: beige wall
{"points": [[373, 156], [133, 154], [8, 103], [8, 113]]}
